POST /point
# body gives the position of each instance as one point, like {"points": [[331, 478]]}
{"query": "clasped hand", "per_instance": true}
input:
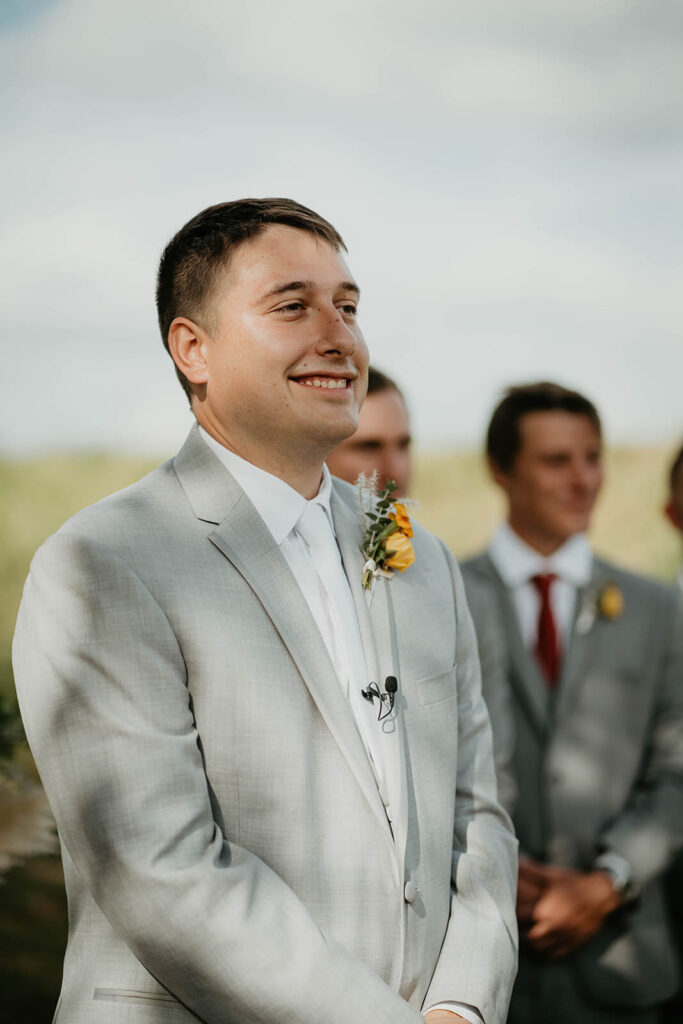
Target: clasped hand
{"points": [[560, 909]]}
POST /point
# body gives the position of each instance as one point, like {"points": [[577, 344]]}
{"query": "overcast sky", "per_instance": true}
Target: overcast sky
{"points": [[507, 177]]}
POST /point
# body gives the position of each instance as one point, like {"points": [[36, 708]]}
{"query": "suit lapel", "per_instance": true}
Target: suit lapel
{"points": [[244, 539], [581, 646], [525, 675], [378, 634], [349, 533]]}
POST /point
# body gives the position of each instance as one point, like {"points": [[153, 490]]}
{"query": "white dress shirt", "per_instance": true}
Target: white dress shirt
{"points": [[516, 563], [331, 604]]}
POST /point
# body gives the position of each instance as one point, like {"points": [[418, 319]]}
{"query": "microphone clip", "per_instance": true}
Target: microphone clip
{"points": [[386, 697]]}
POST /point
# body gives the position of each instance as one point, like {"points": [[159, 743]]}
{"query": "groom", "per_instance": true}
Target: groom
{"points": [[244, 840]]}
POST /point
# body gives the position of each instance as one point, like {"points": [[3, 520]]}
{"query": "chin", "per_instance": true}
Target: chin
{"points": [[578, 525], [338, 431]]}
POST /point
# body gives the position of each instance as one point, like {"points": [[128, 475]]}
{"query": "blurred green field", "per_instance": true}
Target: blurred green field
{"points": [[457, 502]]}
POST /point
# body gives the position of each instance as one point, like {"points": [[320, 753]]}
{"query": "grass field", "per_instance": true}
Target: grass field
{"points": [[457, 502]]}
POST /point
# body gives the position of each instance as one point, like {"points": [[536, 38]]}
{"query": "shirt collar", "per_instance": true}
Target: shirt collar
{"points": [[517, 562], [278, 504]]}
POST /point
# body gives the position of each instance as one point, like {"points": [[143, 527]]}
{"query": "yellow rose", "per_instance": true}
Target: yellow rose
{"points": [[400, 517], [611, 602], [400, 554]]}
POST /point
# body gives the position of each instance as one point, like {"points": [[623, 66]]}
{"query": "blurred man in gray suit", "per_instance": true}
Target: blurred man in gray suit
{"points": [[595, 673], [274, 789], [673, 1010], [382, 443]]}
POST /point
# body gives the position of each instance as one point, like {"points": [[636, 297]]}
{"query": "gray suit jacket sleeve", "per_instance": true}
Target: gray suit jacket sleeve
{"points": [[102, 678], [484, 851], [496, 689], [649, 831]]}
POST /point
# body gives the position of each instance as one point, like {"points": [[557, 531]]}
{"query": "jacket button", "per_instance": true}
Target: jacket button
{"points": [[410, 892]]}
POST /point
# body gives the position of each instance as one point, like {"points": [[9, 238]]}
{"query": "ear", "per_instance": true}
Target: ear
{"points": [[187, 343], [499, 476]]}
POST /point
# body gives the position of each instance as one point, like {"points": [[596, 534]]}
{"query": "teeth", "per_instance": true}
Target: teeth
{"points": [[325, 382]]}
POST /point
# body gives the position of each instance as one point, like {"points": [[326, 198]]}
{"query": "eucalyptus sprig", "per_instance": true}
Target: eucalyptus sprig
{"points": [[379, 529]]}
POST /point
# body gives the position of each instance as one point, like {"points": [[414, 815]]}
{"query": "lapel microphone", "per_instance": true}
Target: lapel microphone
{"points": [[386, 698]]}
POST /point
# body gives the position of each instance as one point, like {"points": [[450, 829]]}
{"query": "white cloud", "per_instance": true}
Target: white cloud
{"points": [[506, 177], [572, 63]]}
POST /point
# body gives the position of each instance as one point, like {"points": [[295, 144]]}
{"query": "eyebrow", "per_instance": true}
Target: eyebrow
{"points": [[298, 286]]}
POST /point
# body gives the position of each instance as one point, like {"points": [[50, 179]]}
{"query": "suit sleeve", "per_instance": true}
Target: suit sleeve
{"points": [[478, 959], [102, 687], [495, 688], [649, 831]]}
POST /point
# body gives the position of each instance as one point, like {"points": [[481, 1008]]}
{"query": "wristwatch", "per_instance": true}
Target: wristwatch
{"points": [[620, 874]]}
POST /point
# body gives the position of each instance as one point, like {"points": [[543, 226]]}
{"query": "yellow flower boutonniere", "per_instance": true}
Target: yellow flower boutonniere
{"points": [[610, 602], [400, 517], [604, 603], [399, 550], [386, 545]]}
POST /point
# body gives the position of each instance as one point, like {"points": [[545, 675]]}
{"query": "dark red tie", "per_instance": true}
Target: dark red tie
{"points": [[547, 647]]}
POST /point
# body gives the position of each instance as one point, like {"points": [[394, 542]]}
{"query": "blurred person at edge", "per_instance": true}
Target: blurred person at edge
{"points": [[674, 506], [594, 667], [382, 441], [672, 1012]]}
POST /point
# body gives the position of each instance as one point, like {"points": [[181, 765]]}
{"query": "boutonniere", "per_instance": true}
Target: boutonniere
{"points": [[605, 602], [386, 543]]}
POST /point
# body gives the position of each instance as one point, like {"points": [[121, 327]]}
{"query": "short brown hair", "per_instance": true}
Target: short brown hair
{"points": [[503, 438], [379, 382], [194, 257]]}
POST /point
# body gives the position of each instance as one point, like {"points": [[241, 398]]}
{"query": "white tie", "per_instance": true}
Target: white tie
{"points": [[335, 597], [346, 651], [343, 640]]}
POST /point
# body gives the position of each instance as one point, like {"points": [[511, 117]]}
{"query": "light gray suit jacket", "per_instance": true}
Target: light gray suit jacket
{"points": [[600, 765], [226, 851]]}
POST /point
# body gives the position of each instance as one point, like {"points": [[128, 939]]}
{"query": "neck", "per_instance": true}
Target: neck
{"points": [[543, 543], [302, 469]]}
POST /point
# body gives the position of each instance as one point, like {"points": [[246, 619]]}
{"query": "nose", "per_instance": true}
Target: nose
{"points": [[335, 335], [586, 475]]}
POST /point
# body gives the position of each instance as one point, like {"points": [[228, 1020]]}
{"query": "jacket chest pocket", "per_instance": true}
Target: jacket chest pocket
{"points": [[437, 688]]}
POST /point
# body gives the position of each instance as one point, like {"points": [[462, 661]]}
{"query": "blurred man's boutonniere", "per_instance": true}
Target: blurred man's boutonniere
{"points": [[386, 544], [605, 602]]}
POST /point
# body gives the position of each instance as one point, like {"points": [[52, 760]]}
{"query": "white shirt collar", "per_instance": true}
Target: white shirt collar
{"points": [[278, 504], [517, 562]]}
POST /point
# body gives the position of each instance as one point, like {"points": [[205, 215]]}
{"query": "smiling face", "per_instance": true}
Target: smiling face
{"points": [[280, 372], [382, 442], [555, 478]]}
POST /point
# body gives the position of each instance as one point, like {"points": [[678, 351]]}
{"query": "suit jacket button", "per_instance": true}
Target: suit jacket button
{"points": [[410, 892]]}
